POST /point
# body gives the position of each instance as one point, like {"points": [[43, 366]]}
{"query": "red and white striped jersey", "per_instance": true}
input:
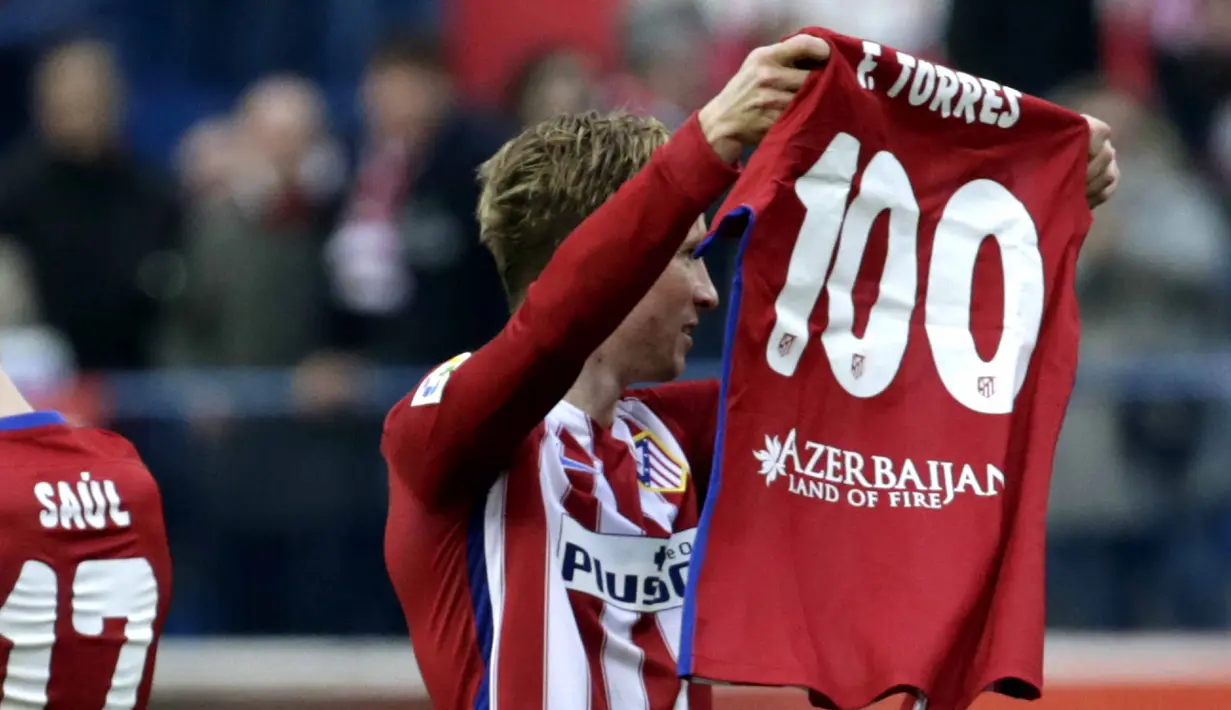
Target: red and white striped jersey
{"points": [[610, 582], [541, 559], [574, 563]]}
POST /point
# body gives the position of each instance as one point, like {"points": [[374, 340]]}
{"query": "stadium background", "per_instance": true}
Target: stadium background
{"points": [[241, 273]]}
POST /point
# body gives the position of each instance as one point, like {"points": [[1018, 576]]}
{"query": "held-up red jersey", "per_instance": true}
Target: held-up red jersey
{"points": [[85, 571], [540, 558], [901, 349]]}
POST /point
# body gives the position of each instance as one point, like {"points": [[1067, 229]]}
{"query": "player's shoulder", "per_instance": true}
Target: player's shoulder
{"points": [[680, 405], [62, 477], [431, 388], [50, 449], [684, 394], [410, 424]]}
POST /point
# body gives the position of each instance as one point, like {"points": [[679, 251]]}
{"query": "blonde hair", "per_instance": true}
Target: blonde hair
{"points": [[546, 181]]}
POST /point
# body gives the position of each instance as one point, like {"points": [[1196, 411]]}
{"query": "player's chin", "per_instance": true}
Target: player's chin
{"points": [[665, 368], [678, 362]]}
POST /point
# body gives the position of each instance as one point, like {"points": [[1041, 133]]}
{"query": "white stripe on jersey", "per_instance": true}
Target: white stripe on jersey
{"points": [[566, 670], [568, 681], [493, 548], [622, 661], [671, 626], [657, 508]]}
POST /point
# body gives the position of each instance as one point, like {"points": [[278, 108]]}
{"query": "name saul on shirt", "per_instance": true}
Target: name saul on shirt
{"points": [[832, 475], [631, 572]]}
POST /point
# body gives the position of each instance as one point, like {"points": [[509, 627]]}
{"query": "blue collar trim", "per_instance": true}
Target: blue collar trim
{"points": [[31, 420]]}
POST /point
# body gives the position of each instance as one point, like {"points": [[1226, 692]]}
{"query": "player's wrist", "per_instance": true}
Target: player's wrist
{"points": [[719, 133]]}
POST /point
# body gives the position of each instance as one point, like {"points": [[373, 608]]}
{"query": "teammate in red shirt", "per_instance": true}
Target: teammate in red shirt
{"points": [[85, 572], [541, 514]]}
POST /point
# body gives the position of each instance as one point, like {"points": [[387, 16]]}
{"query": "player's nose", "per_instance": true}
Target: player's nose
{"points": [[705, 296]]}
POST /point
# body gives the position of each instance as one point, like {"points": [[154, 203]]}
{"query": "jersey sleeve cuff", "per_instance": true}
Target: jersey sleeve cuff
{"points": [[693, 167]]}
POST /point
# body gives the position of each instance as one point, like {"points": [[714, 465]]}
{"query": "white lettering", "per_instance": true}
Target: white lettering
{"points": [[971, 93], [817, 450], [1011, 118], [866, 365], [992, 103], [946, 90], [87, 505], [924, 84], [843, 479], [833, 464], [943, 91], [884, 472], [908, 65], [70, 507], [871, 51], [854, 470], [641, 574], [45, 494]]}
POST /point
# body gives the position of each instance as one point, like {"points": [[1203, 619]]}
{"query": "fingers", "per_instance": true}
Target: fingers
{"points": [[1100, 162], [1102, 172], [787, 79], [1102, 189], [777, 101], [1100, 134], [801, 48], [785, 63]]}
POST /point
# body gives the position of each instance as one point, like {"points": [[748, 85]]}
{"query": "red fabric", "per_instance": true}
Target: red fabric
{"points": [[1128, 52], [85, 551], [511, 32], [482, 444], [799, 580]]}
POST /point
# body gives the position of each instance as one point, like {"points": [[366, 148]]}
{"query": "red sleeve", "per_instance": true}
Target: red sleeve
{"points": [[449, 442], [690, 409]]}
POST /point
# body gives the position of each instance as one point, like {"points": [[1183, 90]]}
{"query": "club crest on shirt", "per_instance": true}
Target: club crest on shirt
{"points": [[657, 469], [432, 388]]}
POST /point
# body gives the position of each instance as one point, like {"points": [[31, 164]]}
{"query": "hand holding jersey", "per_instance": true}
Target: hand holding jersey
{"points": [[556, 531], [760, 91]]}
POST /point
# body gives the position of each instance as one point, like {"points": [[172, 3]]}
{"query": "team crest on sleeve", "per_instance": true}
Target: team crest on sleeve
{"points": [[433, 386], [657, 469]]}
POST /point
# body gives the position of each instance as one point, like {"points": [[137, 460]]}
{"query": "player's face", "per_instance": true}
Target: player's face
{"points": [[656, 337]]}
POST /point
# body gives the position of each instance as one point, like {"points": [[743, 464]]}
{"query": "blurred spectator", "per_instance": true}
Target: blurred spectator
{"points": [[38, 358], [1138, 483], [406, 267], [666, 52], [205, 158], [263, 186], [18, 301], [98, 227], [1187, 49], [908, 25], [553, 81], [262, 190], [1032, 46]]}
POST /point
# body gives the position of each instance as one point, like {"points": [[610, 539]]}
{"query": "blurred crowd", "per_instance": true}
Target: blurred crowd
{"points": [[276, 233]]}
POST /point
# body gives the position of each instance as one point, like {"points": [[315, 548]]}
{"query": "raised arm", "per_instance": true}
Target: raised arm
{"points": [[450, 439]]}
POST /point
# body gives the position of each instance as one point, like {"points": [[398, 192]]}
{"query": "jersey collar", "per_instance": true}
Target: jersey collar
{"points": [[31, 420]]}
